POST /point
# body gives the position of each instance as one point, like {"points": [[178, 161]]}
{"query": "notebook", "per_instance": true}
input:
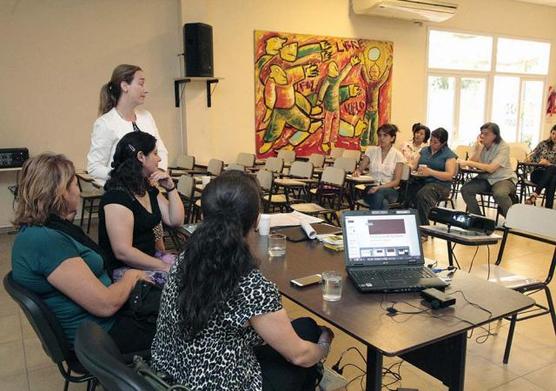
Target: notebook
{"points": [[383, 252]]}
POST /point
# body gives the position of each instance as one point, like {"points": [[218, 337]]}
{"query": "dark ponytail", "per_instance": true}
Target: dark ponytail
{"points": [[127, 170], [110, 92], [217, 256]]}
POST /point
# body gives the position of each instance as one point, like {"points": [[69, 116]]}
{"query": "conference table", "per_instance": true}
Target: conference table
{"points": [[434, 341]]}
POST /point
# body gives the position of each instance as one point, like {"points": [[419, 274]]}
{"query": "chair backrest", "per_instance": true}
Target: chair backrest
{"points": [[336, 153], [215, 167], [463, 151], [334, 176], [519, 150], [235, 166], [265, 179], [317, 160], [274, 164], [301, 170], [186, 186], [533, 220], [43, 321], [185, 162], [353, 153], [246, 159], [286, 155], [98, 353], [86, 184], [347, 163]]}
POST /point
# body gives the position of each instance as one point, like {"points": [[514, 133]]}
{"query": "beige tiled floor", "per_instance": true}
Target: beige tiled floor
{"points": [[532, 366]]}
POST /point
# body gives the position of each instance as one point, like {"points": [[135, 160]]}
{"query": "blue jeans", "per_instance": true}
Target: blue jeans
{"points": [[381, 199]]}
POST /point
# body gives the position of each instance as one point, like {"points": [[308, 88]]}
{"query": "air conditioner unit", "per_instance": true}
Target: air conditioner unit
{"points": [[424, 10]]}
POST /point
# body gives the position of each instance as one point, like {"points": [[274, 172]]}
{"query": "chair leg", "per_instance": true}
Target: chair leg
{"points": [[82, 212], [510, 339], [550, 307], [91, 206], [66, 385]]}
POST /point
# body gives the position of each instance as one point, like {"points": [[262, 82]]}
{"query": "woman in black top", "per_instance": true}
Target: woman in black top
{"points": [[132, 207]]}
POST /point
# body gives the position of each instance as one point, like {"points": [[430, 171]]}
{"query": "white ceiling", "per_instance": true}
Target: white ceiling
{"points": [[551, 3]]}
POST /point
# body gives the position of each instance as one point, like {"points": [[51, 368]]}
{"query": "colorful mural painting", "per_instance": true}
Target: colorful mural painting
{"points": [[314, 93]]}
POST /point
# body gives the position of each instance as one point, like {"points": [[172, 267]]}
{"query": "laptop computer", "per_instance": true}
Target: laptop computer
{"points": [[383, 252]]}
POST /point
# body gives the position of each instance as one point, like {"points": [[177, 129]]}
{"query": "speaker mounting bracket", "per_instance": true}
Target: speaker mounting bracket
{"points": [[184, 80]]}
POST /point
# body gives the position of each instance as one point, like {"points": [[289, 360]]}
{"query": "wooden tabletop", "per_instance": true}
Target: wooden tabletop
{"points": [[363, 316]]}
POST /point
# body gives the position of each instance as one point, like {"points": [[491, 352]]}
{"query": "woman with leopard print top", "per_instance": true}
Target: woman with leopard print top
{"points": [[544, 177], [221, 324]]}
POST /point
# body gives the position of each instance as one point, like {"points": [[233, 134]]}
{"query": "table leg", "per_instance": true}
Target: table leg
{"points": [[445, 360], [450, 253], [374, 369]]}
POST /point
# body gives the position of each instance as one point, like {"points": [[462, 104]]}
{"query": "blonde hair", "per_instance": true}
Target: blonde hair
{"points": [[110, 92], [43, 182]]}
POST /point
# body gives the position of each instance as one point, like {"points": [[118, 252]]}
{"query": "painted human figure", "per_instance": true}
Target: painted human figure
{"points": [[285, 106], [332, 94], [375, 79]]}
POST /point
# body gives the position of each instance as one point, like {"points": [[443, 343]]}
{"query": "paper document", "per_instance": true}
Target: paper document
{"points": [[291, 219]]}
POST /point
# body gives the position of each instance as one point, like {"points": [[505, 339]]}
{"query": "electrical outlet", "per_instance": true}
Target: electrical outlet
{"points": [[332, 381]]}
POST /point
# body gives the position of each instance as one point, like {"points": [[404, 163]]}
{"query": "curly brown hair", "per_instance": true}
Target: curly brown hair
{"points": [[43, 182]]}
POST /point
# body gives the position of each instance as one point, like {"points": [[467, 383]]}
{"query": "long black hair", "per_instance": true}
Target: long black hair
{"points": [[127, 170], [217, 256], [419, 126]]}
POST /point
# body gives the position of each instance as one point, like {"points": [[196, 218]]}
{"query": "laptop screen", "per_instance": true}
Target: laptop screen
{"points": [[382, 238]]}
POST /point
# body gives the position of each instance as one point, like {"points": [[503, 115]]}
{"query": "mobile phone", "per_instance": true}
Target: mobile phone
{"points": [[306, 281]]}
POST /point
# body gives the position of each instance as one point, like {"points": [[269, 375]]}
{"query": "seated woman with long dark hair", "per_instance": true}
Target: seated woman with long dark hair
{"points": [[132, 208], [62, 265], [218, 310], [544, 177]]}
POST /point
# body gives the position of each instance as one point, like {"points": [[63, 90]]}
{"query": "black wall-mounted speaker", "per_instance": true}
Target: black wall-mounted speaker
{"points": [[197, 47]]}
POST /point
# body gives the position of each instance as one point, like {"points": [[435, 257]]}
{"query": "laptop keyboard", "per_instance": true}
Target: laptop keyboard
{"points": [[362, 276]]}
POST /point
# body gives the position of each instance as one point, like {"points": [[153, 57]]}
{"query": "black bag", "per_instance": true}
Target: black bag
{"points": [[143, 302]]}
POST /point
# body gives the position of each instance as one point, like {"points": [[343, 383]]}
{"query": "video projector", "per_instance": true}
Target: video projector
{"points": [[464, 220]]}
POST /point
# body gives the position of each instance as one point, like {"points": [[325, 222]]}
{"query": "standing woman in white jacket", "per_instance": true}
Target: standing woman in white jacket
{"points": [[119, 99]]}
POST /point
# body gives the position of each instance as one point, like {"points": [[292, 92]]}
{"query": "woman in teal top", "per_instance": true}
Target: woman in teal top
{"points": [[436, 169], [56, 260]]}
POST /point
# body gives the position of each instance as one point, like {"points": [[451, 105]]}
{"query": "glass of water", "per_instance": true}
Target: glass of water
{"points": [[276, 245], [331, 286]]}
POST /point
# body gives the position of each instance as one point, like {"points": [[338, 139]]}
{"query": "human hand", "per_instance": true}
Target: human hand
{"points": [[163, 179], [544, 162], [137, 275], [373, 190], [356, 173], [424, 170]]}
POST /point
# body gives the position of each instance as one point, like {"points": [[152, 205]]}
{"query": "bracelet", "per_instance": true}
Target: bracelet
{"points": [[169, 190]]}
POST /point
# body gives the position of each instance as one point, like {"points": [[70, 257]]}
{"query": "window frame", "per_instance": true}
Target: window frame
{"points": [[458, 74]]}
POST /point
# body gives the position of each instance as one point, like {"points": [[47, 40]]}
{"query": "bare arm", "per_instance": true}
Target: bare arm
{"points": [[119, 227], [276, 329], [490, 168], [172, 208], [395, 182], [76, 280]]}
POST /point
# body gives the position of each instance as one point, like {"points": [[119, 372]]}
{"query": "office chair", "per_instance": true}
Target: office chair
{"points": [[50, 333]]}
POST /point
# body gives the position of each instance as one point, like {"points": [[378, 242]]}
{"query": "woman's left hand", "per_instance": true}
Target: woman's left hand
{"points": [[163, 179], [424, 171]]}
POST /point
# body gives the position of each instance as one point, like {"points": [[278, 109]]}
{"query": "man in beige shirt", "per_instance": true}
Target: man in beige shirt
{"points": [[490, 154]]}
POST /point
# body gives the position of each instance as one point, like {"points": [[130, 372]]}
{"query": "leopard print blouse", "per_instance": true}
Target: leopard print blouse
{"points": [[221, 357]]}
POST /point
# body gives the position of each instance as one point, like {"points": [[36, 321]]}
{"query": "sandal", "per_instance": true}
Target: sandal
{"points": [[532, 200]]}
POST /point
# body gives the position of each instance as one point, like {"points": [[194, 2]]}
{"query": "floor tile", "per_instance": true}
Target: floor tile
{"points": [[35, 357], [544, 377], [519, 384], [11, 359], [14, 383], [10, 328], [50, 379]]}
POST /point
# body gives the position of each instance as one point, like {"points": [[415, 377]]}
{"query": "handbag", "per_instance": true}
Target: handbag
{"points": [[144, 302]]}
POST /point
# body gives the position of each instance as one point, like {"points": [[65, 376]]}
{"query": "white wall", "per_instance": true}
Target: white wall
{"points": [[57, 54], [228, 127]]}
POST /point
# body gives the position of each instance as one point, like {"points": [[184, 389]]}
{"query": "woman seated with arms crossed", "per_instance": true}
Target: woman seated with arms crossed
{"points": [[61, 264], [437, 167], [411, 149], [385, 165], [218, 310], [544, 177], [132, 207], [490, 154]]}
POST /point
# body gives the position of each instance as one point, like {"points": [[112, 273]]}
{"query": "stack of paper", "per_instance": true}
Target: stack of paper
{"points": [[292, 219]]}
